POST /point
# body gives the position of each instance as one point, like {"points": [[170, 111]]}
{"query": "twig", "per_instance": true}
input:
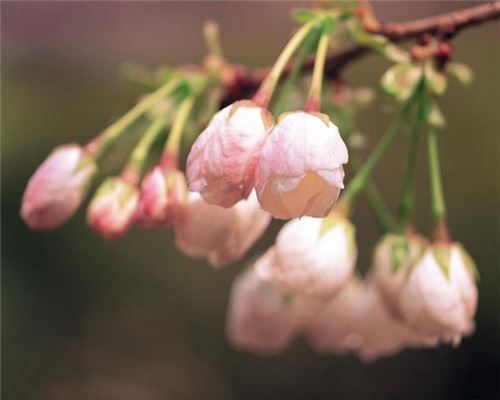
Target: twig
{"points": [[240, 82]]}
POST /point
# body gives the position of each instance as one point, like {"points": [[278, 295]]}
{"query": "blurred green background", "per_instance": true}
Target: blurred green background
{"points": [[83, 318]]}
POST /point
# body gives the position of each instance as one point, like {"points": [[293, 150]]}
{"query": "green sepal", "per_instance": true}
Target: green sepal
{"points": [[329, 223], [400, 251], [461, 72], [377, 43], [442, 254], [332, 221], [469, 262], [350, 234]]}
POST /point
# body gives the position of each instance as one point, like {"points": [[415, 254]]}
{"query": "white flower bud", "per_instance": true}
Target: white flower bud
{"points": [[440, 295], [311, 257], [263, 319]]}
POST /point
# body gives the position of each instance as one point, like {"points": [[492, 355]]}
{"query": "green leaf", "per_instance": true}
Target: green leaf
{"points": [[395, 53], [436, 80], [359, 35], [461, 72], [304, 15], [328, 24], [442, 255], [400, 80]]}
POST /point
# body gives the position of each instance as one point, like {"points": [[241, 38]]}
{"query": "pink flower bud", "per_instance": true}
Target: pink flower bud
{"points": [[440, 295], [222, 235], [113, 207], [221, 163], [57, 188], [311, 257], [394, 256], [263, 319], [383, 335], [300, 171], [162, 197], [336, 326]]}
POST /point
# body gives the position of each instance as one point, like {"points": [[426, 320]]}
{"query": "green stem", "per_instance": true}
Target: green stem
{"points": [[359, 181], [266, 89], [382, 214], [103, 142], [141, 150], [292, 77], [174, 138], [212, 39], [438, 205], [406, 206], [313, 102]]}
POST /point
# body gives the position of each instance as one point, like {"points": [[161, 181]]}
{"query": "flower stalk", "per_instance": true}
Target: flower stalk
{"points": [[172, 144], [292, 77], [99, 146], [266, 89], [313, 102], [406, 205], [358, 183], [437, 197]]}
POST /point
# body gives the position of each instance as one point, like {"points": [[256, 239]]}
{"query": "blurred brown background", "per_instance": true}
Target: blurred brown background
{"points": [[133, 319]]}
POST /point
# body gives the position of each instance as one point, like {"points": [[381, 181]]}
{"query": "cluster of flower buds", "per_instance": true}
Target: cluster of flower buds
{"points": [[247, 167], [296, 166], [416, 294]]}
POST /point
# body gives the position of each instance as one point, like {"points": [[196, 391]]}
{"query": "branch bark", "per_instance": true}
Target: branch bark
{"points": [[241, 82]]}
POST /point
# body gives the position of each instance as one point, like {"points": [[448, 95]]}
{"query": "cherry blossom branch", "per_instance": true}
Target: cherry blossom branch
{"points": [[241, 82]]}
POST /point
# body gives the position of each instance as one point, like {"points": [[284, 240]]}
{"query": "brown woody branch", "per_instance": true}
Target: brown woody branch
{"points": [[240, 82]]}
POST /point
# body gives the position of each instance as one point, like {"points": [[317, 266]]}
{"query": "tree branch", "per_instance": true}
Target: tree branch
{"points": [[241, 82]]}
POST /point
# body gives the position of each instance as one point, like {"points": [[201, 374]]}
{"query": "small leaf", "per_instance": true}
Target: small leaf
{"points": [[436, 80], [328, 24], [395, 54], [461, 72], [442, 255], [359, 35], [400, 80], [304, 15]]}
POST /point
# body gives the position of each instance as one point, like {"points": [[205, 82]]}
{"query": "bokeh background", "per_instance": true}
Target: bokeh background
{"points": [[83, 318]]}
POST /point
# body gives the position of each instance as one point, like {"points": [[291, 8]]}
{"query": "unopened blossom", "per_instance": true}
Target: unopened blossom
{"points": [[57, 188], [221, 235], [394, 255], [113, 208], [262, 318], [300, 170], [221, 163], [311, 257], [163, 193], [440, 295], [382, 334], [336, 327]]}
